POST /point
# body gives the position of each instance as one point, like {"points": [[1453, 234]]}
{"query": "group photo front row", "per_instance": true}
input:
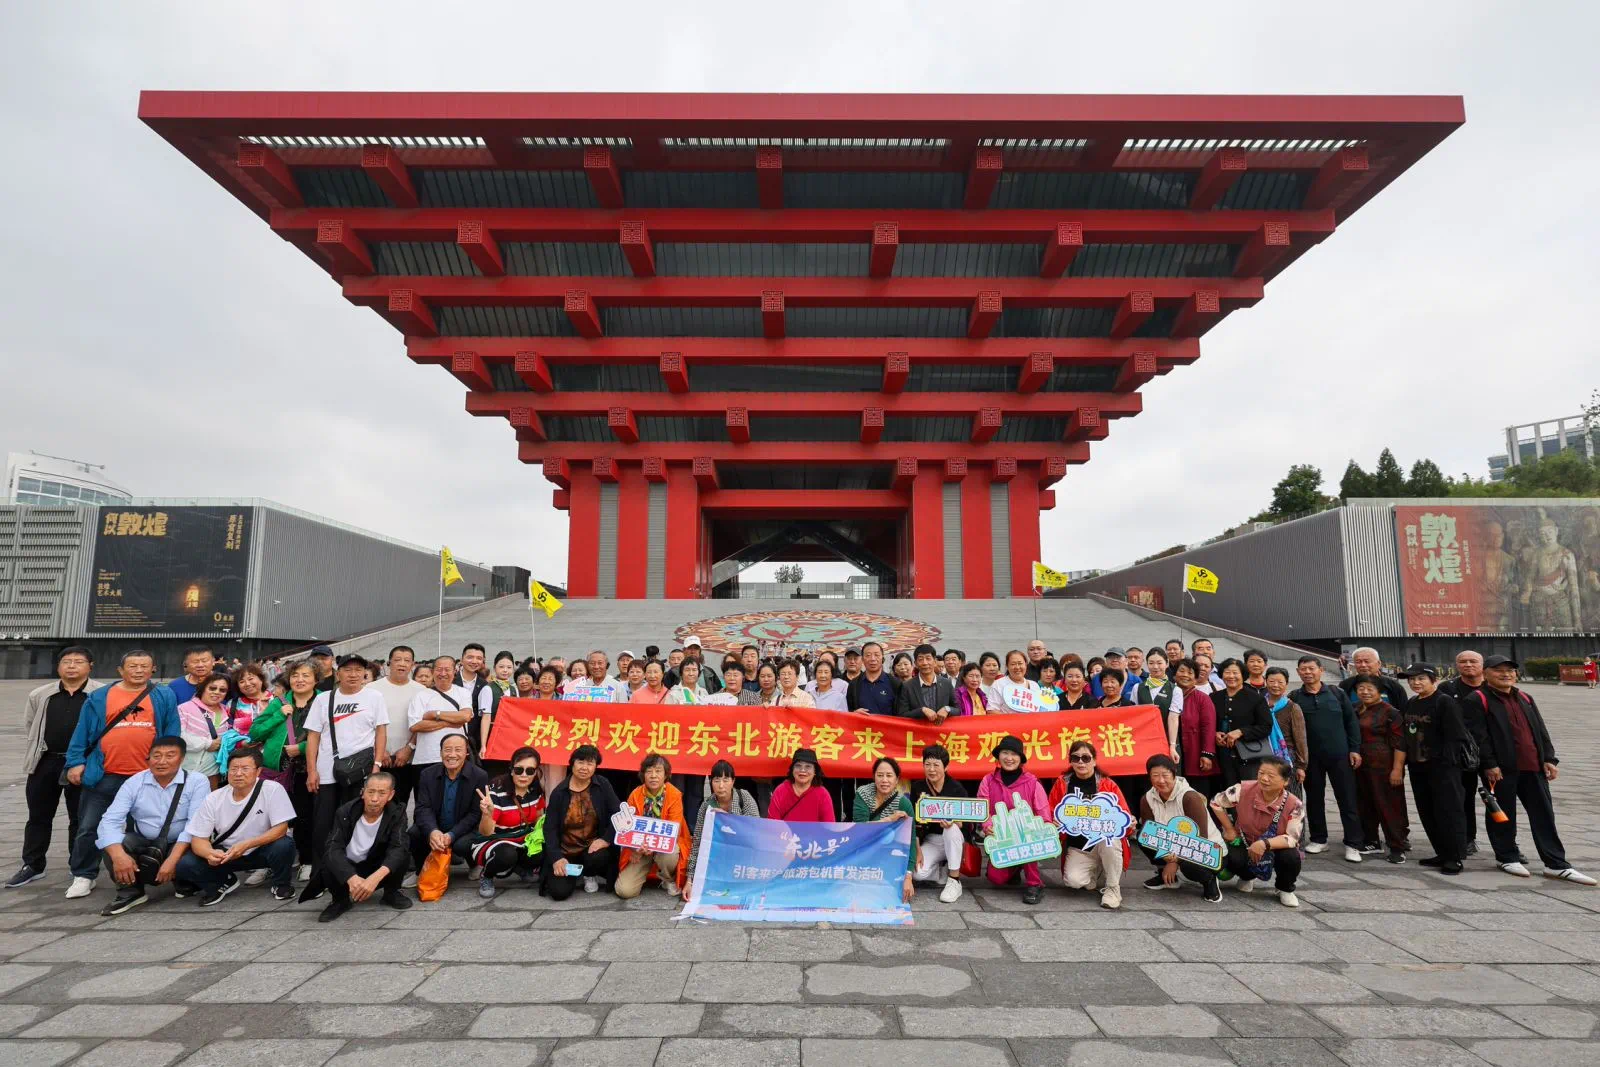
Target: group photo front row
{"points": [[290, 778]]}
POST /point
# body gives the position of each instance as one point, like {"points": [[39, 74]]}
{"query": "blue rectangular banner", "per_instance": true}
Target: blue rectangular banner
{"points": [[767, 870]]}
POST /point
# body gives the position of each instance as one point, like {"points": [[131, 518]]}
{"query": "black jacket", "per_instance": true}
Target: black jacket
{"points": [[429, 812], [1501, 751], [914, 696], [1438, 720], [390, 843], [555, 817], [1245, 711], [951, 788]]}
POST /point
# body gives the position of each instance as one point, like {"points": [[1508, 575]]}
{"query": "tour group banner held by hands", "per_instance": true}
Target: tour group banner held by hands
{"points": [[758, 740]]}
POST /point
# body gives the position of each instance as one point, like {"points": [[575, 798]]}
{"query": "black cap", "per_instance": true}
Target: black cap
{"points": [[1501, 661], [852, 651], [322, 650], [805, 755], [1419, 668], [1009, 744], [354, 657]]}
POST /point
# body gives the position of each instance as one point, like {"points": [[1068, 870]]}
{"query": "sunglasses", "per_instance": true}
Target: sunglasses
{"points": [[525, 770], [1080, 759]]}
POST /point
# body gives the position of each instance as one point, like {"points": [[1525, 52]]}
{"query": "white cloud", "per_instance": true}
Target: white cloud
{"points": [[154, 324]]}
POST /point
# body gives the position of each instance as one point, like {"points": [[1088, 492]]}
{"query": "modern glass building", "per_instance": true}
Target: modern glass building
{"points": [[34, 478]]}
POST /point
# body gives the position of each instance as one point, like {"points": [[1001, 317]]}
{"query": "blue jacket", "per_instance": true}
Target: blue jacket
{"points": [[85, 748]]}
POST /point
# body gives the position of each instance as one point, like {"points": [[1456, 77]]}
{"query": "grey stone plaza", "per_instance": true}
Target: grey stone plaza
{"points": [[1380, 965]]}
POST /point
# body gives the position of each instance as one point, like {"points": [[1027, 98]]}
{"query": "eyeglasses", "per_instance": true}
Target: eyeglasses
{"points": [[525, 770], [1080, 759]]}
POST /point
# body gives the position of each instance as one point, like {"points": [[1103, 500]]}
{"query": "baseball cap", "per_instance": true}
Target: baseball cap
{"points": [[322, 650], [1501, 661], [852, 651], [625, 652], [1116, 652], [354, 657], [1419, 668], [691, 642]]}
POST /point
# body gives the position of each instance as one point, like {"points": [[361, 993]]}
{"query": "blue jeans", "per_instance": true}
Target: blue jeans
{"points": [[92, 804], [277, 857]]}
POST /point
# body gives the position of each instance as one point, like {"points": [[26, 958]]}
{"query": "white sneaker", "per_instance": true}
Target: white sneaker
{"points": [[1517, 869], [80, 887], [1352, 855], [1288, 899], [1316, 848], [1247, 884], [951, 891], [304, 874], [409, 881], [256, 877], [591, 885], [1570, 874], [671, 888]]}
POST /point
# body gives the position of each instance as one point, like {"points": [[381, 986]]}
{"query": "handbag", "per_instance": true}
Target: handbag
{"points": [[1253, 750], [434, 878], [971, 860], [348, 771], [150, 858], [133, 706]]}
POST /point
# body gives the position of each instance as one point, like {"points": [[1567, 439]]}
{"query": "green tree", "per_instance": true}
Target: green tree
{"points": [[1427, 480], [1567, 472], [1387, 477], [1299, 492], [1355, 483]]}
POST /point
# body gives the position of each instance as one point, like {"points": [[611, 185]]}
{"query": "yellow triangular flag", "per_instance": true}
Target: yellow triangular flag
{"points": [[540, 598], [449, 573], [1199, 579], [1045, 578]]}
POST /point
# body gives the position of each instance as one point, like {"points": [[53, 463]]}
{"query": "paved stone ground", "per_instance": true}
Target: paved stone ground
{"points": [[1380, 965]]}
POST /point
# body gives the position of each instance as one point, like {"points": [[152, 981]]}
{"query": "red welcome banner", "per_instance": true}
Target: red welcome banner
{"points": [[758, 741]]}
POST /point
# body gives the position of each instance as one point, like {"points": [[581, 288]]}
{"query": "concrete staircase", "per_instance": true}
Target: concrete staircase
{"points": [[1085, 626]]}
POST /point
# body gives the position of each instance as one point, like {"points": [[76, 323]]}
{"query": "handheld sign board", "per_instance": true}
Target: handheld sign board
{"points": [[1098, 819], [951, 809], [1020, 836], [1182, 838]]}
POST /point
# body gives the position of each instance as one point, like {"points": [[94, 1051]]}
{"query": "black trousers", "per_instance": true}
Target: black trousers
{"points": [[1193, 871], [461, 847], [405, 783], [391, 884], [1436, 788], [329, 797], [601, 865], [44, 792], [1285, 866], [1336, 771], [1469, 805], [305, 818], [1533, 791]]}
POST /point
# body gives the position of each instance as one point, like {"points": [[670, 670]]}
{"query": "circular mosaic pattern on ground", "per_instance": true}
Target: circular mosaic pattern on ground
{"points": [[809, 630]]}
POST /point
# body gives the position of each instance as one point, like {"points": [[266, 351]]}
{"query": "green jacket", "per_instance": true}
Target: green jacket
{"points": [[866, 799], [270, 731]]}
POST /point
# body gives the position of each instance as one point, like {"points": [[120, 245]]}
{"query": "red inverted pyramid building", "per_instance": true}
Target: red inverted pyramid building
{"points": [[735, 328]]}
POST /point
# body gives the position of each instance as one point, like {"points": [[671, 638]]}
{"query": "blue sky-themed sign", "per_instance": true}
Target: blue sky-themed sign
{"points": [[1181, 837], [1098, 819]]}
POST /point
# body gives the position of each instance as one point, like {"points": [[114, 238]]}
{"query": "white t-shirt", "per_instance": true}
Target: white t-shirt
{"points": [[1023, 696], [397, 698], [218, 810], [356, 716], [432, 700], [362, 837]]}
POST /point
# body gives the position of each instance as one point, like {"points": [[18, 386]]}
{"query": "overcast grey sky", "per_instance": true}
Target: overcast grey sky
{"points": [[154, 324]]}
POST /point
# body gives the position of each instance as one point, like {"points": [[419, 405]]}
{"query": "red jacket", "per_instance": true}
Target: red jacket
{"points": [[1106, 785], [1197, 731]]}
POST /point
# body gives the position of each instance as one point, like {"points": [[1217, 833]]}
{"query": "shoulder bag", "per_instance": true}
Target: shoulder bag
{"points": [[244, 813], [352, 770], [149, 858]]}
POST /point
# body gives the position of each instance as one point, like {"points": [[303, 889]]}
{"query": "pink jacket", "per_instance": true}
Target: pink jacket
{"points": [[995, 792]]}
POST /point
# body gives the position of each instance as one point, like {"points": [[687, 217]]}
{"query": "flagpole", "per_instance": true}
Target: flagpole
{"points": [[438, 647]]}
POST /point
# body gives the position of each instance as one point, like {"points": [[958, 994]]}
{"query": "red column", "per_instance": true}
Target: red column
{"points": [[977, 559], [927, 532], [633, 531], [1024, 529], [583, 533], [683, 533]]}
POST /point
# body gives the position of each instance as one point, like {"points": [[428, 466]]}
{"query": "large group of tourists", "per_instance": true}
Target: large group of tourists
{"points": [[347, 781]]}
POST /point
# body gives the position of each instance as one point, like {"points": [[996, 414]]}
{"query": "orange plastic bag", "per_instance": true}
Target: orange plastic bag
{"points": [[434, 878]]}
